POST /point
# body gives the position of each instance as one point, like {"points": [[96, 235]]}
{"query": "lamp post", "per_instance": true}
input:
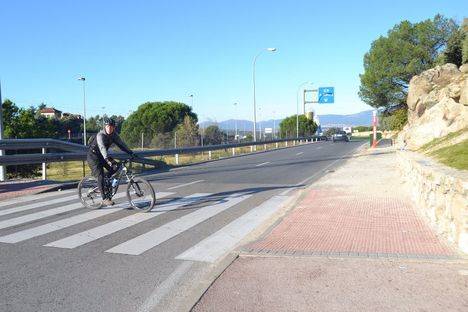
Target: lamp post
{"points": [[297, 106], [83, 79], [274, 126], [254, 100], [235, 120], [2, 168], [191, 96]]}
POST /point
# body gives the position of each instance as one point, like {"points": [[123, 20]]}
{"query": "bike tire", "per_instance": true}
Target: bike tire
{"points": [[136, 185], [89, 200]]}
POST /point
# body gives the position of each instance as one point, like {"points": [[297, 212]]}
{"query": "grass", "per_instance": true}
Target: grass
{"points": [[67, 171], [455, 156], [438, 141]]}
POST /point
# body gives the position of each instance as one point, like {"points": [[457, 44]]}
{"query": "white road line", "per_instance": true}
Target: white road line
{"points": [[28, 198], [224, 240], [165, 287], [46, 213], [319, 147], [300, 153], [151, 239], [185, 184], [267, 162], [93, 234], [38, 205], [64, 223]]}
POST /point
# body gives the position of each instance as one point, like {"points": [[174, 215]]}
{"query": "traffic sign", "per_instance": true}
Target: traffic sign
{"points": [[326, 95], [268, 130]]}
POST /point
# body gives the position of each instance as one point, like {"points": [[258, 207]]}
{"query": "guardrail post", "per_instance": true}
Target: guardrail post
{"points": [[264, 147], [177, 159], [286, 143], [251, 148], [276, 144], [44, 166], [233, 151], [209, 155]]}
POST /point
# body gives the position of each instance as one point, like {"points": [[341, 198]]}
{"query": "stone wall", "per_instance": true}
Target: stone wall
{"points": [[441, 193]]}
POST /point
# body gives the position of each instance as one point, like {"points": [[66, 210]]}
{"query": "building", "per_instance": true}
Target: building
{"points": [[51, 112]]}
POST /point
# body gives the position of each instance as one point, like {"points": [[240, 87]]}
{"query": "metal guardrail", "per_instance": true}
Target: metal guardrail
{"points": [[79, 152], [28, 144]]}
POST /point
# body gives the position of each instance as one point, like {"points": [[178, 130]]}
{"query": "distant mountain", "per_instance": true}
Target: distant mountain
{"points": [[359, 119]]}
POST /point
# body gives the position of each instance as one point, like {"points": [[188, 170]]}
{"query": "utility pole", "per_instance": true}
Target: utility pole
{"points": [[83, 79], [2, 168]]}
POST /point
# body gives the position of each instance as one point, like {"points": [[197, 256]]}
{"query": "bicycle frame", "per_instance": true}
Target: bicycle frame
{"points": [[122, 172]]}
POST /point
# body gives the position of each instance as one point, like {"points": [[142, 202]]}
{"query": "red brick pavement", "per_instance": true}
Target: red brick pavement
{"points": [[328, 222], [14, 189]]}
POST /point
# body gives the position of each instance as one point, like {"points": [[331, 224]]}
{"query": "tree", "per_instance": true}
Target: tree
{"points": [[213, 135], [10, 118], [154, 118], [187, 132], [395, 121], [407, 50], [454, 51], [465, 41], [307, 127]]}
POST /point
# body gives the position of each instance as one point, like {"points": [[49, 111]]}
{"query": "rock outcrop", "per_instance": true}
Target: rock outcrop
{"points": [[437, 105]]}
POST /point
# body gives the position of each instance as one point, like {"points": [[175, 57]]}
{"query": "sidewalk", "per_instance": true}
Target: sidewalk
{"points": [[354, 242], [16, 188]]}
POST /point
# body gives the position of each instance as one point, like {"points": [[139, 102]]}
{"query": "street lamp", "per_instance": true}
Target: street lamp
{"points": [[297, 106], [235, 120], [191, 96], [2, 168], [254, 100], [274, 126], [83, 79]]}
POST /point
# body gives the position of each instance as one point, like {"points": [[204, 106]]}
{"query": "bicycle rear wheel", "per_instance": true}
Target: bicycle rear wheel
{"points": [[141, 194], [88, 192]]}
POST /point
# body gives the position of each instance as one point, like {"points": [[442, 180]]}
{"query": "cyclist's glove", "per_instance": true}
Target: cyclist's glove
{"points": [[110, 161]]}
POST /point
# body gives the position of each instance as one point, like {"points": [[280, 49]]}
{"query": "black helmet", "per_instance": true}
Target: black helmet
{"points": [[109, 121]]}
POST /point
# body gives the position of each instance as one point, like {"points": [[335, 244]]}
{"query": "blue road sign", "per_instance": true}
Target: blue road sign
{"points": [[326, 95]]}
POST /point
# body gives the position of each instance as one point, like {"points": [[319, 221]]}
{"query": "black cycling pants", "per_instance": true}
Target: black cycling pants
{"points": [[97, 165]]}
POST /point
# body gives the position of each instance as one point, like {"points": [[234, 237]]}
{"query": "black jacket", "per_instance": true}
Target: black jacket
{"points": [[103, 141]]}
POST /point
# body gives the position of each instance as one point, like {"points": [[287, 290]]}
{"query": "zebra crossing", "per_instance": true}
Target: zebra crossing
{"points": [[53, 216]]}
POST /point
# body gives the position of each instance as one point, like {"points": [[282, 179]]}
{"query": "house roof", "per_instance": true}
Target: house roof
{"points": [[49, 110]]}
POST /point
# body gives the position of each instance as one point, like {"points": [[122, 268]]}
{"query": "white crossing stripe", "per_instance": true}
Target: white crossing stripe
{"points": [[265, 163], [117, 225], [46, 213], [151, 239], [185, 184], [219, 243], [38, 204], [300, 153], [29, 198], [64, 223]]}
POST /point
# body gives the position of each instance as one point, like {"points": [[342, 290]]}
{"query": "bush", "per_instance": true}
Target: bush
{"points": [[362, 128], [395, 121]]}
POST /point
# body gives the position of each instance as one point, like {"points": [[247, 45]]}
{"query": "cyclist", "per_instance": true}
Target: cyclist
{"points": [[98, 159]]}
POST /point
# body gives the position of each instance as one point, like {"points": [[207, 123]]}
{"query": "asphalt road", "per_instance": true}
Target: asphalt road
{"points": [[57, 256]]}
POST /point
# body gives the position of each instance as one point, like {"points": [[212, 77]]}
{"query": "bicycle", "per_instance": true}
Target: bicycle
{"points": [[140, 193]]}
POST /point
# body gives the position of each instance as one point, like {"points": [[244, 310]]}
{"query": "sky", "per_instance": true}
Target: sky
{"points": [[132, 52]]}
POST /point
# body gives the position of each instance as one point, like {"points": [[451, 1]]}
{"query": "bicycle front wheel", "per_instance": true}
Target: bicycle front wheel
{"points": [[88, 192], [140, 194]]}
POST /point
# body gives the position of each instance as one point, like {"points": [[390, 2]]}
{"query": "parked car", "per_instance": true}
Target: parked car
{"points": [[340, 136]]}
